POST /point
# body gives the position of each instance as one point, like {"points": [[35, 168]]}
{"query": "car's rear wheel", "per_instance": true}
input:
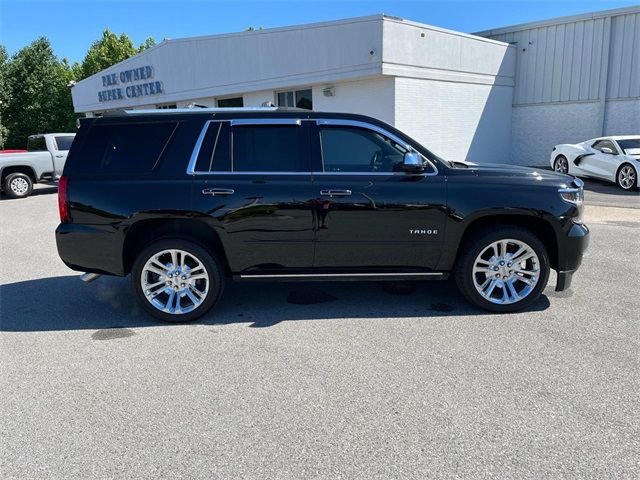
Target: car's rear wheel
{"points": [[18, 185], [177, 280], [627, 177], [561, 165], [503, 269]]}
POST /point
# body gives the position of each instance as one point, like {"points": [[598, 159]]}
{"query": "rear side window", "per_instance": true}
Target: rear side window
{"points": [[268, 148], [64, 142], [215, 155], [132, 148], [37, 144]]}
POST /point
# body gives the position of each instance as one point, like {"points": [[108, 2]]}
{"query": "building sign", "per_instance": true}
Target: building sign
{"points": [[125, 84]]}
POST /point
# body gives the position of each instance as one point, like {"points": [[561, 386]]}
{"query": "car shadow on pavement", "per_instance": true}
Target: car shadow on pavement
{"points": [[66, 303]]}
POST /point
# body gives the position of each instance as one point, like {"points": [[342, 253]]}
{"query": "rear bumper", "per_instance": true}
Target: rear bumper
{"points": [[90, 248], [570, 252]]}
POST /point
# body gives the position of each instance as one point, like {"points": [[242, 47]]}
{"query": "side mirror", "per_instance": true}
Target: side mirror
{"points": [[412, 163], [607, 150]]}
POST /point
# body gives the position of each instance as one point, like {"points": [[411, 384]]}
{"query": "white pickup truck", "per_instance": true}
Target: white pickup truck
{"points": [[42, 162]]}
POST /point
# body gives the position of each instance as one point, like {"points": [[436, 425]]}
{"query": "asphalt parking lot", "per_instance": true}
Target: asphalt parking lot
{"points": [[326, 380]]}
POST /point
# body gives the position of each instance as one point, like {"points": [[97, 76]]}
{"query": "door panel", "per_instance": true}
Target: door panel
{"points": [[387, 222], [369, 213], [264, 217], [59, 151], [600, 164], [266, 223]]}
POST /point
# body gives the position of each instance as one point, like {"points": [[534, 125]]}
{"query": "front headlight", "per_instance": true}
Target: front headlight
{"points": [[572, 195], [575, 196]]}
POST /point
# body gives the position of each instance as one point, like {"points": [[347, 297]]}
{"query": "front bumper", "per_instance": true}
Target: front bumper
{"points": [[571, 249]]}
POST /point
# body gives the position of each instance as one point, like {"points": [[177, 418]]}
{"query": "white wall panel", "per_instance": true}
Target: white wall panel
{"points": [[456, 121], [218, 65], [624, 66], [562, 62], [622, 117], [538, 128], [373, 97]]}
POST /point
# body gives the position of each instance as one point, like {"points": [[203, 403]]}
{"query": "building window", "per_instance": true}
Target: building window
{"points": [[230, 102], [296, 98], [166, 106]]}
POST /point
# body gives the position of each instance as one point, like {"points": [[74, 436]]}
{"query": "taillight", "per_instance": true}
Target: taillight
{"points": [[63, 199]]}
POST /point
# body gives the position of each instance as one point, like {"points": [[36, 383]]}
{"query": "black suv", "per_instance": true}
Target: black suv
{"points": [[185, 199]]}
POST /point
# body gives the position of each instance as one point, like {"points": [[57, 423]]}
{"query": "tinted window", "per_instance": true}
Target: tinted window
{"points": [[630, 146], [214, 152], [230, 102], [124, 148], [268, 148], [304, 99], [37, 144], [64, 142], [599, 145], [353, 149]]}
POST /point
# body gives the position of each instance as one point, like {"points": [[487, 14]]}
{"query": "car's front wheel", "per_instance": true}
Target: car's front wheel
{"points": [[627, 177], [18, 185], [503, 269], [177, 280]]}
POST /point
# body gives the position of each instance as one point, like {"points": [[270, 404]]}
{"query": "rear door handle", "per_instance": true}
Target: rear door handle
{"points": [[335, 193], [218, 191]]}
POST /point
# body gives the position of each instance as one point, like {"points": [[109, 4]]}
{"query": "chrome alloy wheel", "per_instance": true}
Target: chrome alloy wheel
{"points": [[562, 165], [174, 281], [506, 271], [19, 186], [627, 177]]}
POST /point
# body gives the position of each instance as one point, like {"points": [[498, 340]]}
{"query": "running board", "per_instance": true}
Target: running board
{"points": [[89, 277], [288, 277]]}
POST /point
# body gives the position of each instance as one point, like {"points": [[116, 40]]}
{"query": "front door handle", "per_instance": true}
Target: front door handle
{"points": [[335, 193], [218, 191]]}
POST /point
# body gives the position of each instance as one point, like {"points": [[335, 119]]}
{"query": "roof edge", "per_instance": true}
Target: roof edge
{"points": [[559, 20]]}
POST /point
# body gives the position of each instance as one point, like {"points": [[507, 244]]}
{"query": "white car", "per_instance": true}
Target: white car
{"points": [[616, 159]]}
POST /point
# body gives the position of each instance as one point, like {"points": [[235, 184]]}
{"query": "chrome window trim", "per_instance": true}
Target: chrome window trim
{"points": [[196, 149], [238, 122], [265, 121], [295, 121], [369, 126]]}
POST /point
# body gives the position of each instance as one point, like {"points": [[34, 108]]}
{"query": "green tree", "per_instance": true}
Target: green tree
{"points": [[4, 93], [148, 43], [109, 50], [40, 101]]}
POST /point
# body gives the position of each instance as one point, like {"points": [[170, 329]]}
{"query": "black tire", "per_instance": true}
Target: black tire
{"points": [[476, 244], [619, 180], [210, 262], [18, 185], [556, 163]]}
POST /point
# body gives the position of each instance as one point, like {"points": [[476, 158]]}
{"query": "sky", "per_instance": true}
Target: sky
{"points": [[73, 25]]}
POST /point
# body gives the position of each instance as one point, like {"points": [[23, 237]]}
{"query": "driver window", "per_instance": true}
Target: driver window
{"points": [[600, 144], [355, 149]]}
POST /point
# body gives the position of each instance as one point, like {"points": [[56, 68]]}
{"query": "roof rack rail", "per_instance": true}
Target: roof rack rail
{"points": [[169, 111]]}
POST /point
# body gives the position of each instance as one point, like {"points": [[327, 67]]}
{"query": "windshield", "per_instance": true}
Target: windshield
{"points": [[630, 146]]}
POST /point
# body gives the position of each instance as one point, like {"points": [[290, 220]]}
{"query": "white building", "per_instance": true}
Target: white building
{"points": [[576, 78], [463, 96]]}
